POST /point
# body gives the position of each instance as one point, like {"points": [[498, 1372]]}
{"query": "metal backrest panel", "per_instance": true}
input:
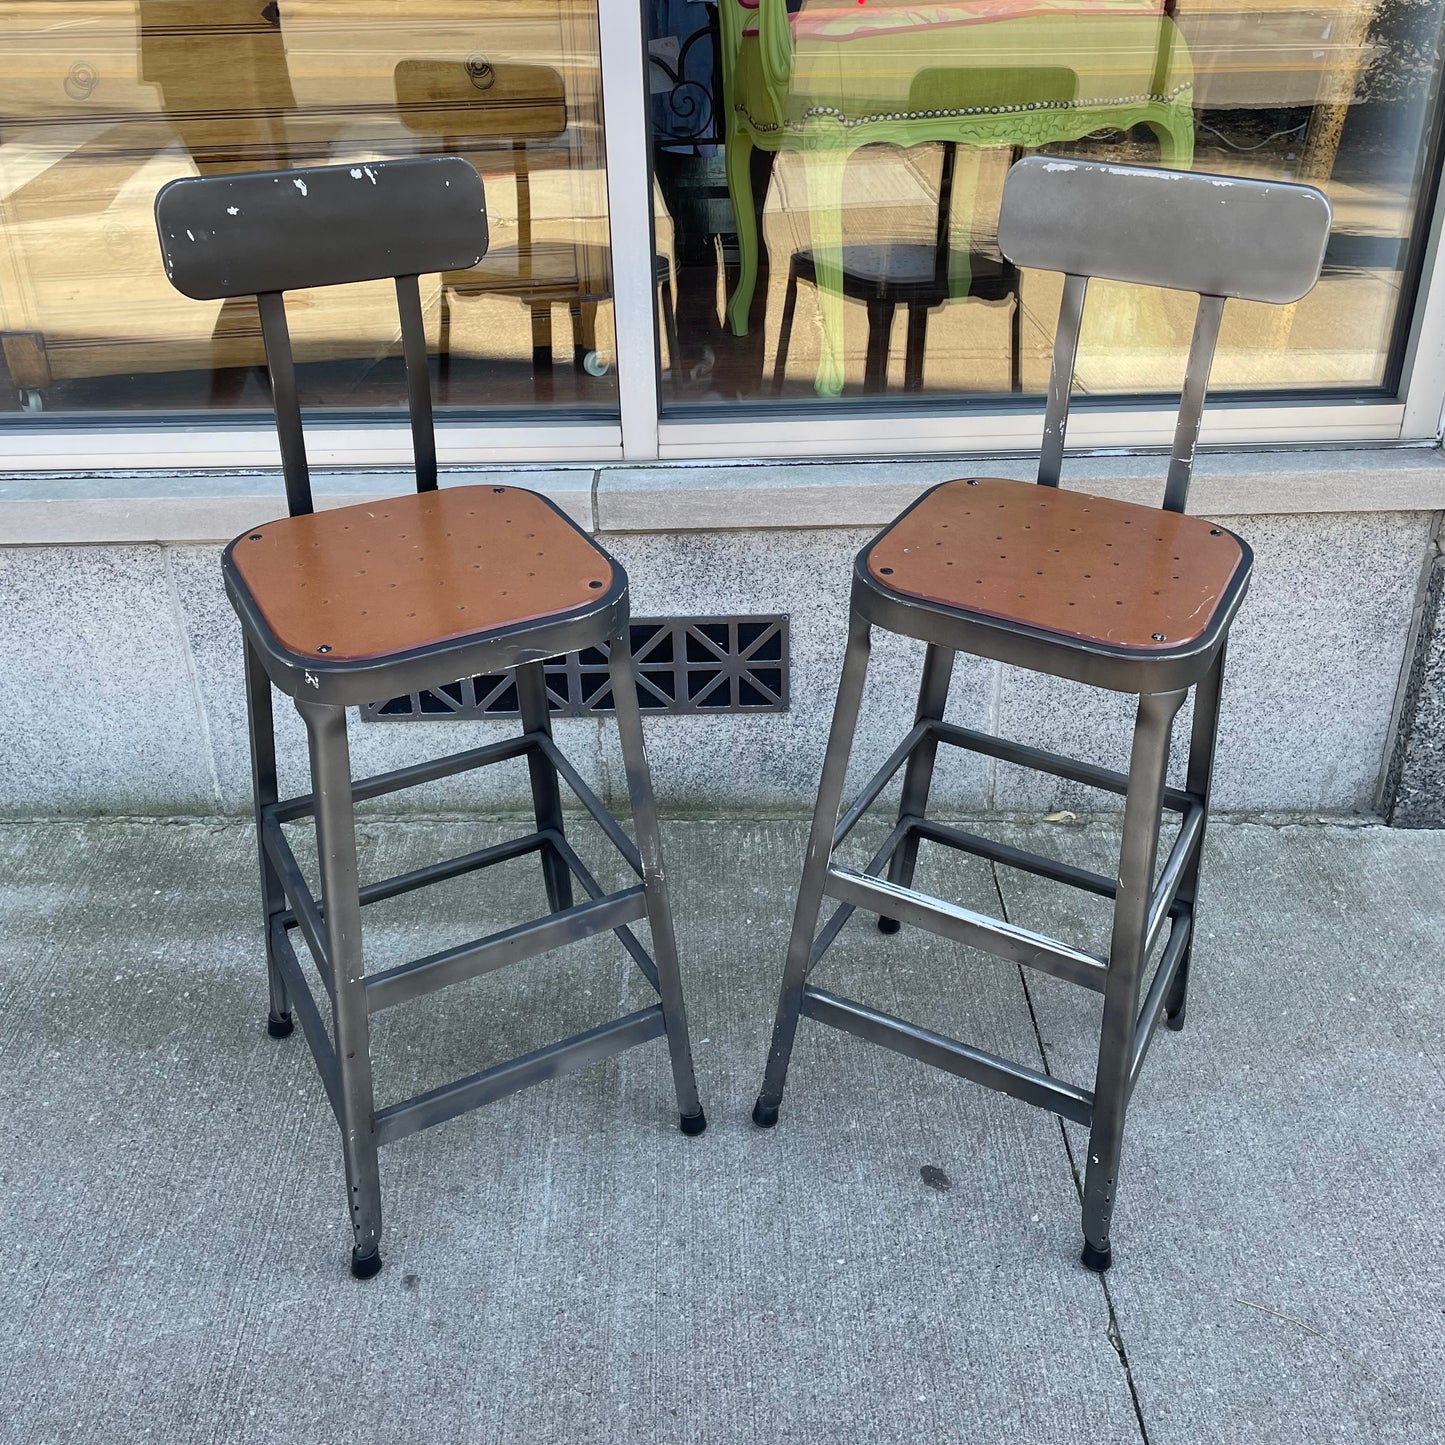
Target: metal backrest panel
{"points": [[1215, 235], [322, 226]]}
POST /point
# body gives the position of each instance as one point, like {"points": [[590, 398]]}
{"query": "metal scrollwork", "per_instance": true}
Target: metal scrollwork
{"points": [[691, 112]]}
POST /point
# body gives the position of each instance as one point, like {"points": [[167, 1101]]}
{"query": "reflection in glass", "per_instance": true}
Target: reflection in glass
{"points": [[103, 101], [861, 149]]}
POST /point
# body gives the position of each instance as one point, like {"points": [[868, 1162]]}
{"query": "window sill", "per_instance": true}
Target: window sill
{"points": [[195, 507]]}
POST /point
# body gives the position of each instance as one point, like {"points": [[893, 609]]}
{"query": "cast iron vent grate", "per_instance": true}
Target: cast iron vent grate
{"points": [[684, 665]]}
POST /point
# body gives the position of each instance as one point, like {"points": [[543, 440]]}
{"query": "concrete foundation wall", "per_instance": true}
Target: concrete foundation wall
{"points": [[1414, 793], [121, 687]]}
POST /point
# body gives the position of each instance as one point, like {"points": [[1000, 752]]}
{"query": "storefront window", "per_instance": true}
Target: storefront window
{"points": [[829, 176], [103, 101]]}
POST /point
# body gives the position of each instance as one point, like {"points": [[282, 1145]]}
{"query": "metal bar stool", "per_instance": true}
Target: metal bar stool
{"points": [[365, 602], [1106, 593]]}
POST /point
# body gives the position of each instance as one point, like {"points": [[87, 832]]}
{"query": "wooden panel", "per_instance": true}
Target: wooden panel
{"points": [[104, 101]]}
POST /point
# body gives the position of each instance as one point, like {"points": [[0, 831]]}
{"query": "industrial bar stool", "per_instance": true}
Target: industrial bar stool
{"points": [[1106, 593], [366, 602]]}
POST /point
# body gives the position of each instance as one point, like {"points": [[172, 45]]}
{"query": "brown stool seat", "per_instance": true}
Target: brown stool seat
{"points": [[1108, 572], [408, 572]]}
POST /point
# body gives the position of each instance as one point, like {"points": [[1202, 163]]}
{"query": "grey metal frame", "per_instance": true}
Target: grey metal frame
{"points": [[423, 214], [1228, 238]]}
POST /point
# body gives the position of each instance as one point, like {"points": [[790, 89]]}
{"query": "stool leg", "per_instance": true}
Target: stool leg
{"points": [[340, 900], [444, 339], [1016, 338], [541, 336], [785, 330], [917, 346], [1148, 763], [260, 723], [918, 775], [669, 326], [815, 869], [880, 338], [659, 912], [1202, 738], [546, 794]]}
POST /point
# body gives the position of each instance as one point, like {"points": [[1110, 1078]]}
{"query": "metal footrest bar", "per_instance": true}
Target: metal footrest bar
{"points": [[1153, 1010], [844, 911], [1044, 762], [485, 955], [304, 910], [591, 802], [963, 925], [376, 786], [396, 1121], [625, 936], [941, 1052], [452, 868], [303, 1008], [1019, 858], [385, 888], [879, 781], [1191, 830]]}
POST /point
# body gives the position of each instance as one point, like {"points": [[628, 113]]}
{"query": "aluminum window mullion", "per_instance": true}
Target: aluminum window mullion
{"points": [[629, 214], [992, 434], [1424, 385]]}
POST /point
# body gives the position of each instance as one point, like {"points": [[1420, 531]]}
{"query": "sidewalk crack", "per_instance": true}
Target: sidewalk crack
{"points": [[1116, 1334]]}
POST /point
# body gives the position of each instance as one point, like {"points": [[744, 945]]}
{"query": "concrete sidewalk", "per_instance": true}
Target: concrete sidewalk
{"points": [[566, 1267]]}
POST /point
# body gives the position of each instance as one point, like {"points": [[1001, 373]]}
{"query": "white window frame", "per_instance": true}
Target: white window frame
{"points": [[641, 434]]}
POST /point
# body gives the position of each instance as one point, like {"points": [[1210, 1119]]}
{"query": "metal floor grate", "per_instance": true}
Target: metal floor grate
{"points": [[684, 665]]}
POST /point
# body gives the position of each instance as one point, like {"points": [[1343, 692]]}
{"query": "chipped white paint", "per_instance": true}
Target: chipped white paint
{"points": [[233, 210], [190, 236], [300, 186], [356, 173]]}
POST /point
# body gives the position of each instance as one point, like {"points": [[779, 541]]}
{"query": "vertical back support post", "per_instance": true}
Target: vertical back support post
{"points": [[1191, 401], [1061, 380], [418, 382], [277, 341]]}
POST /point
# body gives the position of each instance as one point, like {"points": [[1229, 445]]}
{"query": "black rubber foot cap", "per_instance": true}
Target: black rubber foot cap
{"points": [[1174, 1021], [363, 1266], [889, 925], [691, 1124], [1097, 1260], [280, 1025], [764, 1115]]}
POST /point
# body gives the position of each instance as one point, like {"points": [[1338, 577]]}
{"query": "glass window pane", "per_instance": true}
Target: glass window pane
{"points": [[103, 101], [829, 177]]}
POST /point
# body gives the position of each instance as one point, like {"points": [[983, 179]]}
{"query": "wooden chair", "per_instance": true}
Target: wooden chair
{"points": [[831, 78], [366, 602], [466, 104], [922, 276], [1107, 593]]}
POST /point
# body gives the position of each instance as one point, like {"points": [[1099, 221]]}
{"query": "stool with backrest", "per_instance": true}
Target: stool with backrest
{"points": [[466, 104], [1102, 592], [367, 602]]}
